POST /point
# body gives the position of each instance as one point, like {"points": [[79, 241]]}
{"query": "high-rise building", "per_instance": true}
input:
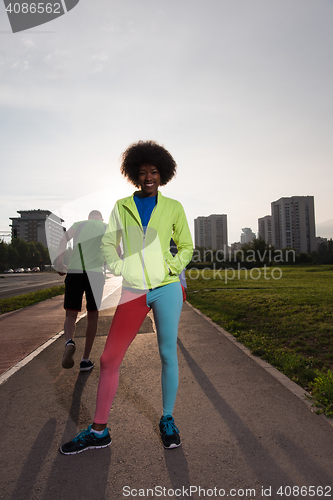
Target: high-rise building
{"points": [[38, 225], [293, 224], [265, 228], [247, 235], [211, 232]]}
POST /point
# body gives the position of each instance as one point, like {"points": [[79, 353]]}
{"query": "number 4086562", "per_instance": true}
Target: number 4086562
{"points": [[34, 8], [305, 491]]}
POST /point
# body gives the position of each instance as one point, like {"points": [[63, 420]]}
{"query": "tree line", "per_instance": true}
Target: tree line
{"points": [[19, 253], [258, 253], [324, 254]]}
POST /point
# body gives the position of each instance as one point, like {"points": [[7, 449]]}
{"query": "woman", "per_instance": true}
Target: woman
{"points": [[144, 223]]}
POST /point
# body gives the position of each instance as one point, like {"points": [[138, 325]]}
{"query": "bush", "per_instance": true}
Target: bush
{"points": [[322, 390]]}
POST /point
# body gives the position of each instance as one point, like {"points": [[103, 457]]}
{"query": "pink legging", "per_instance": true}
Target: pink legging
{"points": [[166, 302]]}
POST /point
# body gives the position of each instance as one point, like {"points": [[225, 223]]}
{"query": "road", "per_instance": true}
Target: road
{"points": [[12, 285]]}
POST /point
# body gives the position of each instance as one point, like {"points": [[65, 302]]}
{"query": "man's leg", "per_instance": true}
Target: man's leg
{"points": [[69, 328], [93, 284], [92, 321], [69, 325], [73, 303], [91, 330]]}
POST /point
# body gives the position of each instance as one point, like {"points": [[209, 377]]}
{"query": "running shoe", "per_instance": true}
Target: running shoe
{"points": [[85, 366], [169, 432], [86, 440], [67, 359]]}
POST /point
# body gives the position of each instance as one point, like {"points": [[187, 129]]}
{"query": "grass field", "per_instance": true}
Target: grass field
{"points": [[28, 299], [284, 315]]}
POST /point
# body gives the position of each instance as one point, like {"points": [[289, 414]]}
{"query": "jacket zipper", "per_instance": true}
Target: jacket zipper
{"points": [[144, 247], [143, 260], [143, 244]]}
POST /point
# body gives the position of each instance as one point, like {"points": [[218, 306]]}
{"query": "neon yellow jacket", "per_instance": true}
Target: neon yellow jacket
{"points": [[147, 261]]}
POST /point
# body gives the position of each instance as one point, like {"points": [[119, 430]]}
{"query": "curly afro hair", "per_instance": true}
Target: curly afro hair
{"points": [[147, 153]]}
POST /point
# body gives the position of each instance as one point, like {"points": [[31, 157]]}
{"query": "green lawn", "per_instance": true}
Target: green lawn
{"points": [[284, 315], [28, 299]]}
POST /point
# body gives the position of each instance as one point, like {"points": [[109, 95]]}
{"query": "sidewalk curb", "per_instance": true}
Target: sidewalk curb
{"points": [[296, 389]]}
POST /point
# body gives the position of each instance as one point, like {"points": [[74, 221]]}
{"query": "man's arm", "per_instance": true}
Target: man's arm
{"points": [[110, 243], [67, 236]]}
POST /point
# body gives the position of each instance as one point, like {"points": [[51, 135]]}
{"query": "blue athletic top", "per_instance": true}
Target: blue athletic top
{"points": [[145, 206]]}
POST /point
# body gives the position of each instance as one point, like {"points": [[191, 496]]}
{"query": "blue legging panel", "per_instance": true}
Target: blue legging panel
{"points": [[166, 303]]}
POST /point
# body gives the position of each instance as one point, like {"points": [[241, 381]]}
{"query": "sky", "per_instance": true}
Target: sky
{"points": [[239, 92]]}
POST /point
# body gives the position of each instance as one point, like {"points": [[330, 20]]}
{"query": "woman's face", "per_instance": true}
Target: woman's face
{"points": [[149, 180]]}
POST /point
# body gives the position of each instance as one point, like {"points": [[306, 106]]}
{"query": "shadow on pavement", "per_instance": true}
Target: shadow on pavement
{"points": [[26, 482], [175, 459], [263, 465], [66, 480], [74, 411], [293, 451], [178, 470]]}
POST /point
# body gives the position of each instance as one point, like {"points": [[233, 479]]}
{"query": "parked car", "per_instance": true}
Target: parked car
{"points": [[9, 271], [35, 269], [27, 270], [19, 270]]}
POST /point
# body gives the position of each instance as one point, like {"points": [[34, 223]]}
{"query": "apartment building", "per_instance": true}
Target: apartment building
{"points": [[38, 225], [265, 228], [247, 235], [211, 232], [293, 223]]}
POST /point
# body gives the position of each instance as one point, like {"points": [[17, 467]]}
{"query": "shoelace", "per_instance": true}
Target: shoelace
{"points": [[81, 434], [170, 427]]}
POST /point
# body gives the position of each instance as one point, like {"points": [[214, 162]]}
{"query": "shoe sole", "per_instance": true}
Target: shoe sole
{"points": [[67, 360], [87, 368], [173, 445], [84, 449]]}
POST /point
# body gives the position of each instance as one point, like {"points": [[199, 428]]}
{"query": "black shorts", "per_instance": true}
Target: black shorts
{"points": [[76, 284]]}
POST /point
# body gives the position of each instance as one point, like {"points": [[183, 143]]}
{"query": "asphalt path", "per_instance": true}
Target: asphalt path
{"points": [[12, 285], [244, 433]]}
